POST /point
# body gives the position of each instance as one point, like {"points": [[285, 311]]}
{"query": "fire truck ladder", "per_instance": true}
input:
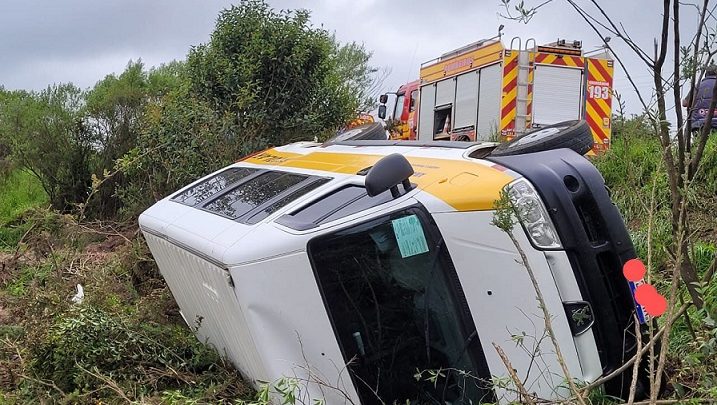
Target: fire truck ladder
{"points": [[524, 95]]}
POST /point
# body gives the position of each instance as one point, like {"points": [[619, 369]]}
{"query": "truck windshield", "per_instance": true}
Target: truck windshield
{"points": [[398, 108]]}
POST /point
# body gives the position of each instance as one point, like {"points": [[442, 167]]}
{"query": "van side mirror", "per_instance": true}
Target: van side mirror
{"points": [[383, 98], [387, 174], [382, 111]]}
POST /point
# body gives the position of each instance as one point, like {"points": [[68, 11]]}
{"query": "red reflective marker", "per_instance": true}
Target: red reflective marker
{"points": [[656, 307], [634, 270]]}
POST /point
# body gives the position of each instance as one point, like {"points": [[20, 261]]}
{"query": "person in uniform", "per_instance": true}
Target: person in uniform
{"points": [[701, 100]]}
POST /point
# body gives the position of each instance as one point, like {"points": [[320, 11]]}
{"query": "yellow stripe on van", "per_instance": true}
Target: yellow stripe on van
{"points": [[464, 185]]}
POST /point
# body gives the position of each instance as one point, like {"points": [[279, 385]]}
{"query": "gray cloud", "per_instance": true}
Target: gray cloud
{"points": [[83, 40]]}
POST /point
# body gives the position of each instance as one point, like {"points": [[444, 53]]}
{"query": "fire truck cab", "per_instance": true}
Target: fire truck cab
{"points": [[405, 111], [486, 91]]}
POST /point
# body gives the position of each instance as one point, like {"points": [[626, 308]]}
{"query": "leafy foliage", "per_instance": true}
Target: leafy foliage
{"points": [[113, 113], [46, 135], [277, 77], [21, 191], [265, 78], [632, 168], [87, 338]]}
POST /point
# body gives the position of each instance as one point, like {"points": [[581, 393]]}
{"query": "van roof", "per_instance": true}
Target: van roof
{"points": [[450, 171], [450, 174]]}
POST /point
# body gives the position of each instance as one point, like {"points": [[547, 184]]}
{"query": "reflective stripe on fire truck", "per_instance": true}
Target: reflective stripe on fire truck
{"points": [[560, 60], [510, 93], [599, 101]]}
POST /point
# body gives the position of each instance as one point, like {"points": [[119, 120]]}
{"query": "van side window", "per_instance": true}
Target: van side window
{"points": [[213, 185], [270, 208], [259, 196], [412, 105], [340, 203], [393, 298]]}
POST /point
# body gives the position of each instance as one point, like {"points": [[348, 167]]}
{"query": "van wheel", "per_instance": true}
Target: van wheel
{"points": [[574, 135], [370, 131]]}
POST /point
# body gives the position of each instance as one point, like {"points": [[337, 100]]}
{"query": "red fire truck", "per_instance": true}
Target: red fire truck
{"points": [[487, 91], [405, 111]]}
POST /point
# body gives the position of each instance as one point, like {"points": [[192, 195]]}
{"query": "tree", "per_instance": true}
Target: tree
{"points": [[279, 77], [46, 135], [265, 78], [360, 81], [114, 110]]}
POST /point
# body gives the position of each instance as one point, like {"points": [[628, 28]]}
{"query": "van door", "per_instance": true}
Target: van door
{"points": [[397, 307]]}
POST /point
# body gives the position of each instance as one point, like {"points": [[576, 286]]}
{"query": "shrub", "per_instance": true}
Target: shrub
{"points": [[86, 342], [265, 78], [47, 136]]}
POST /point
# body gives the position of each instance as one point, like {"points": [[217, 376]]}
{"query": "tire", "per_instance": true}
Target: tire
{"points": [[370, 131], [574, 135]]}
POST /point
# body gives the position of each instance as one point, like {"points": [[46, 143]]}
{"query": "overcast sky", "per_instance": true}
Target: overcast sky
{"points": [[80, 41]]}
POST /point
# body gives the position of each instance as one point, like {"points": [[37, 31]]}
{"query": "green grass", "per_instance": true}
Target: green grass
{"points": [[19, 192]]}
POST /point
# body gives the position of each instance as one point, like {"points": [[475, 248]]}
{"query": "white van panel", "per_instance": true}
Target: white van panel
{"points": [[466, 107], [207, 302], [502, 300], [490, 91], [425, 119], [557, 94], [281, 299]]}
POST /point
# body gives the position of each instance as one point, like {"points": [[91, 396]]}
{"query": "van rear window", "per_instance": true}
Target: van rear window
{"points": [[268, 191], [344, 202], [213, 185]]}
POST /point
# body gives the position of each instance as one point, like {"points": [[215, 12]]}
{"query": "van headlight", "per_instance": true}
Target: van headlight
{"points": [[532, 215]]}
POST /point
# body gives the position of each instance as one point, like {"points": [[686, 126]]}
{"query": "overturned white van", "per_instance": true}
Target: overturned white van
{"points": [[355, 266]]}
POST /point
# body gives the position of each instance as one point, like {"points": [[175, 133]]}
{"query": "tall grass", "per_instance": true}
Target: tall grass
{"points": [[19, 192]]}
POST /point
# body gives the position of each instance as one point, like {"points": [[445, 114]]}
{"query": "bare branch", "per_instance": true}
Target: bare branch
{"points": [[524, 395], [584, 15]]}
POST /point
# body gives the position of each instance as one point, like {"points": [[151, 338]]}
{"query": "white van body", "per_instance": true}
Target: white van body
{"points": [[252, 288]]}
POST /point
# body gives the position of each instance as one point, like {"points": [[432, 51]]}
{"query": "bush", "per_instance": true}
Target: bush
{"points": [[265, 78], [86, 344], [47, 136]]}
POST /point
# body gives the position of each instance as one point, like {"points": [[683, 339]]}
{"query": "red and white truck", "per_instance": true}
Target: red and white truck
{"points": [[487, 91]]}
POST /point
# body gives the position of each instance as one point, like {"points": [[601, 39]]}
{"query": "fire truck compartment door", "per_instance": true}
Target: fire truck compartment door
{"points": [[557, 94], [489, 95], [426, 112], [445, 92], [466, 100]]}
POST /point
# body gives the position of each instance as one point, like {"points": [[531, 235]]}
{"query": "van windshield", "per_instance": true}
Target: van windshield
{"points": [[388, 289]]}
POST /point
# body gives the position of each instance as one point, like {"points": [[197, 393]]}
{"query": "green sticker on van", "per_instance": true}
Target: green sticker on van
{"points": [[409, 236]]}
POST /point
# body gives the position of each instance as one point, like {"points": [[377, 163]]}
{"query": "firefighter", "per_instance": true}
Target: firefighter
{"points": [[703, 97]]}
